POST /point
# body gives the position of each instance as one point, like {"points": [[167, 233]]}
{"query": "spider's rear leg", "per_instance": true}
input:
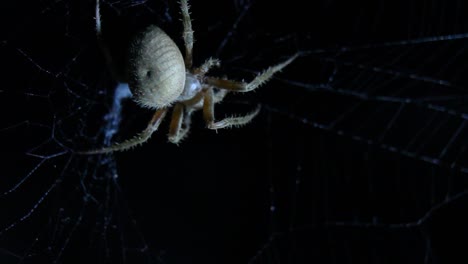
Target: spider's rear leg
{"points": [[208, 114], [137, 140], [255, 83]]}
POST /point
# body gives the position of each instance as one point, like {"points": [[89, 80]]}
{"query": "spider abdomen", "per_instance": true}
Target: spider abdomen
{"points": [[156, 70]]}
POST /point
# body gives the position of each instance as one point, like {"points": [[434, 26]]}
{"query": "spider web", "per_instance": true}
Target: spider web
{"points": [[358, 156]]}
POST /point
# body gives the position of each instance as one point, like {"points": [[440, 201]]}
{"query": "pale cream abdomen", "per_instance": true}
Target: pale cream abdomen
{"points": [[156, 70]]}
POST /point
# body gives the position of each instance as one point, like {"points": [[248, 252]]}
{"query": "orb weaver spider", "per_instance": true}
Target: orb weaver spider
{"points": [[159, 78]]}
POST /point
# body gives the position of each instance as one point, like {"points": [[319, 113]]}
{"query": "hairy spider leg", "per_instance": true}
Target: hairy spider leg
{"points": [[137, 140], [208, 103], [176, 131], [206, 66], [103, 46], [243, 87], [187, 34], [208, 114], [98, 19], [182, 114]]}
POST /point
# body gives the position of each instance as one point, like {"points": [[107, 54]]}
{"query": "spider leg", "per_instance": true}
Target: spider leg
{"points": [[206, 66], [255, 83], [219, 96], [176, 131], [187, 122], [196, 103], [208, 114], [103, 46], [98, 19], [188, 33], [137, 140]]}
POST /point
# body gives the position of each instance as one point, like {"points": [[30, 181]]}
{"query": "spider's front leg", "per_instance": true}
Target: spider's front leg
{"points": [[188, 33], [254, 84], [208, 114], [209, 98], [176, 131], [182, 114]]}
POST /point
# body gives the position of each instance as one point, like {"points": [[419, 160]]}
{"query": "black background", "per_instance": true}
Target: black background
{"points": [[320, 176]]}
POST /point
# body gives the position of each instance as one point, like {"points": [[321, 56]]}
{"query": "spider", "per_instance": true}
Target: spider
{"points": [[160, 78]]}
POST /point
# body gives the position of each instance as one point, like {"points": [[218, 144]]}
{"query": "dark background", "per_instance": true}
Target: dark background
{"points": [[358, 155]]}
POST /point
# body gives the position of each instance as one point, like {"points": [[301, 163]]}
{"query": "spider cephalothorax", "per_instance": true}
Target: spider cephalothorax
{"points": [[161, 78]]}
